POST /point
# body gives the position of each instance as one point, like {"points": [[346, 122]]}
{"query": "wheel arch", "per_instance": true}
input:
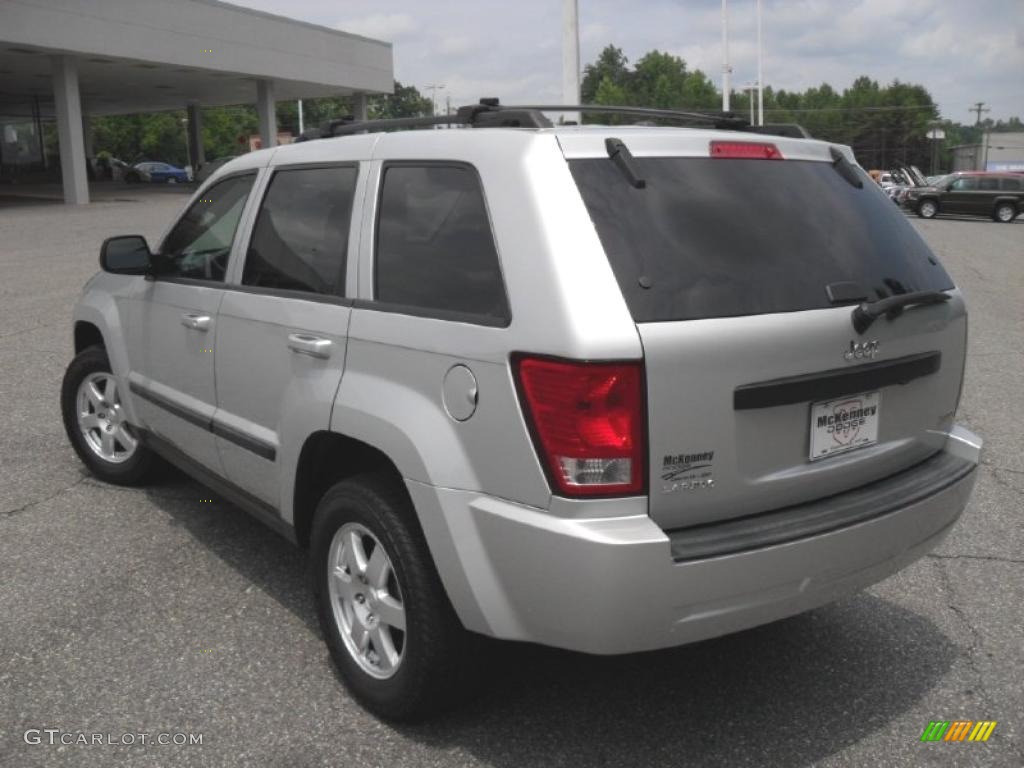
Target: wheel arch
{"points": [[327, 458], [87, 334]]}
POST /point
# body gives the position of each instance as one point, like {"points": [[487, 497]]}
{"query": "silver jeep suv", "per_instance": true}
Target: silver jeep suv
{"points": [[605, 388]]}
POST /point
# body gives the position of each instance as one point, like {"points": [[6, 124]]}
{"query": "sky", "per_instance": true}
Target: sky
{"points": [[962, 51]]}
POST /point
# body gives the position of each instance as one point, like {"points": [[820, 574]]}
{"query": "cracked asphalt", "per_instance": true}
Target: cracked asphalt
{"points": [[144, 611]]}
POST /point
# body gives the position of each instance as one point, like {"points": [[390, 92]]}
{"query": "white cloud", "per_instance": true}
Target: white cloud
{"points": [[382, 26], [457, 45]]}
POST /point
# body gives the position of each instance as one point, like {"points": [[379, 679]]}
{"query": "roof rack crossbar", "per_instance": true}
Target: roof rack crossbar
{"points": [[490, 113]]}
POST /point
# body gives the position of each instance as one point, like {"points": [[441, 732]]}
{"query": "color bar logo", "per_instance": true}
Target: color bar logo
{"points": [[958, 730]]}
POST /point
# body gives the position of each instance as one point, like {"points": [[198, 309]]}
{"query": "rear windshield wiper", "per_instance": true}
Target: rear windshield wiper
{"points": [[619, 154], [865, 314], [845, 169]]}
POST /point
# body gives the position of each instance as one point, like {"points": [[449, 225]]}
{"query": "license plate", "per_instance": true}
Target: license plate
{"points": [[842, 425]]}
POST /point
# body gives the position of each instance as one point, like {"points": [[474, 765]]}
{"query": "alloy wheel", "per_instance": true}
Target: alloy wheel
{"points": [[102, 420], [366, 600]]}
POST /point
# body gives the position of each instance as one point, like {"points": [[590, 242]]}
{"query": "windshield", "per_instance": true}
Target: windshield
{"points": [[718, 238]]}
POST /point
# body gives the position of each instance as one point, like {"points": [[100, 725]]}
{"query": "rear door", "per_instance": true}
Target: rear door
{"points": [[281, 337], [741, 275]]}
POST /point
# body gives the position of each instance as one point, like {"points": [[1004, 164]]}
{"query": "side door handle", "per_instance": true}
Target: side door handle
{"points": [[313, 346], [196, 322]]}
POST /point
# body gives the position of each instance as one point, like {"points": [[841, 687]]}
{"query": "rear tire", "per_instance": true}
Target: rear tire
{"points": [[927, 209], [1005, 213], [94, 419], [428, 665]]}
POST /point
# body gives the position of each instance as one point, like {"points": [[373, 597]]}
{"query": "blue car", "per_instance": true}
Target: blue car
{"points": [[157, 173]]}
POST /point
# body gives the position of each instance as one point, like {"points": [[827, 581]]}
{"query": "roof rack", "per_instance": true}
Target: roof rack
{"points": [[489, 113]]}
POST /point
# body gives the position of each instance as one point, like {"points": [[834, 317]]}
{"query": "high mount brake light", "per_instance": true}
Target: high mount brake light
{"points": [[587, 421], [745, 150]]}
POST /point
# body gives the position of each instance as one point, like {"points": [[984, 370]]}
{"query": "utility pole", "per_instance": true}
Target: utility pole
{"points": [[760, 74], [978, 108], [726, 69], [570, 55]]}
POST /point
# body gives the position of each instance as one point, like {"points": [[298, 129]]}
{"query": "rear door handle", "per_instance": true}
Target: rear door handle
{"points": [[313, 346], [196, 322]]}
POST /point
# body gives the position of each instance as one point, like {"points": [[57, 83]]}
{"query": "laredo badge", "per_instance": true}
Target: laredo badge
{"points": [[687, 471]]}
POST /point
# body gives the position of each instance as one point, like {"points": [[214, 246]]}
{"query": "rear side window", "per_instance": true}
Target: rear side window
{"points": [[300, 241], [988, 184], [725, 237], [435, 249], [965, 184], [1011, 185]]}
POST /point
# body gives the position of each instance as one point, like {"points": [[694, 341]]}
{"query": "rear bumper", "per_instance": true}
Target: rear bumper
{"points": [[610, 585]]}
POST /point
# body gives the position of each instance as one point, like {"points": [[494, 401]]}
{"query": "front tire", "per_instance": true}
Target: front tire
{"points": [[927, 209], [1005, 213], [96, 423], [391, 630]]}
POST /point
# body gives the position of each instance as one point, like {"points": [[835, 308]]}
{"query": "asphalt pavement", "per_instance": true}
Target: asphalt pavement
{"points": [[127, 612]]}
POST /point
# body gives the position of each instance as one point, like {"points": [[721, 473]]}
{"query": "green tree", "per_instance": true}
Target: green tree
{"points": [[406, 101], [611, 64]]}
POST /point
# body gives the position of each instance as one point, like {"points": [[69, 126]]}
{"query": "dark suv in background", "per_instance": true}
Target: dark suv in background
{"points": [[997, 195]]}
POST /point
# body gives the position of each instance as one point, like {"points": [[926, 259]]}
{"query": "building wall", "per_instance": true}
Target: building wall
{"points": [[1005, 152]]}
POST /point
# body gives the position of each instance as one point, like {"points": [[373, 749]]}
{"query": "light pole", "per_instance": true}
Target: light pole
{"points": [[570, 55], [726, 69], [750, 88], [760, 73]]}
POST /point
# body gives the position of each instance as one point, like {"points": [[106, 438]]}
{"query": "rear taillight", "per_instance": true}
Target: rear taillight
{"points": [[587, 421], [745, 150]]}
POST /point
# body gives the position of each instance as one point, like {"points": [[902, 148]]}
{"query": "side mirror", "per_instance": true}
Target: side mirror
{"points": [[126, 255]]}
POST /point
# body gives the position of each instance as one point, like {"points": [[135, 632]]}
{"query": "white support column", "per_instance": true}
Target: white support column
{"points": [[359, 107], [197, 154], [267, 113], [68, 104]]}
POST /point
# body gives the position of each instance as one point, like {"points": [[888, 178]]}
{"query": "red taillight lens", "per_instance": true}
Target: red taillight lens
{"points": [[746, 150], [588, 423]]}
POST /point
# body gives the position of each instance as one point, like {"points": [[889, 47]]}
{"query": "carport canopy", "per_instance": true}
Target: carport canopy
{"points": [[106, 57]]}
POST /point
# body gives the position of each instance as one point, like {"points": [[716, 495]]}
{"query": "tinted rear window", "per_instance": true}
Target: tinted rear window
{"points": [[435, 250], [719, 238]]}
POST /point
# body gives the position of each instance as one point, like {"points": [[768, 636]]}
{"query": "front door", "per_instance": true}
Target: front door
{"points": [[282, 330], [171, 323], [963, 196]]}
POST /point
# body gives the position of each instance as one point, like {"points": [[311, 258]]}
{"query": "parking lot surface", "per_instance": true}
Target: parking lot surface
{"points": [[127, 611]]}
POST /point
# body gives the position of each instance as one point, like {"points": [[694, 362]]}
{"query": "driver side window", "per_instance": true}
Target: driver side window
{"points": [[199, 245]]}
